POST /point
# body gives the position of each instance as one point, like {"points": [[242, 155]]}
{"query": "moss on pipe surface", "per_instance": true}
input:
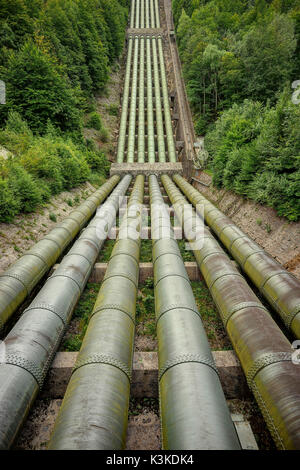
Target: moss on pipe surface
{"points": [[30, 346], [94, 412], [278, 286], [193, 408], [263, 350], [17, 282]]}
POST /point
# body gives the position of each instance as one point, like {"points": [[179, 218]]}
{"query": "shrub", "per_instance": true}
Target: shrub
{"points": [[94, 122], [9, 204], [104, 135], [113, 109], [24, 188], [98, 162]]}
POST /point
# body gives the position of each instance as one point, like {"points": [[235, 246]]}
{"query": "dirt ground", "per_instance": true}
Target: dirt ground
{"points": [[27, 229], [279, 237]]}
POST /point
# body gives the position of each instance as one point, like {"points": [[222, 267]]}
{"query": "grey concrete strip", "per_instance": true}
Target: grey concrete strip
{"points": [[145, 375], [146, 169]]}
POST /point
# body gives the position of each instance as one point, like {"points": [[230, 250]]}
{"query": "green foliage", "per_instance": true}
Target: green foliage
{"points": [[94, 122], [52, 217], [232, 50], [113, 109], [55, 55], [41, 166], [255, 151], [104, 135]]}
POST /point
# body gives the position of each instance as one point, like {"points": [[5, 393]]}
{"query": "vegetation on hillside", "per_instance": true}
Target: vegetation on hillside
{"points": [[240, 59], [54, 57]]}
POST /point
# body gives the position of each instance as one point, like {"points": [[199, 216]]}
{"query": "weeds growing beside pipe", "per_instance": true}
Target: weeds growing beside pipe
{"points": [[31, 344], [94, 412], [278, 286], [21, 277], [263, 350], [194, 413]]}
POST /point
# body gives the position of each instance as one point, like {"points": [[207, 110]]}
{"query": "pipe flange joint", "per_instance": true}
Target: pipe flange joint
{"points": [[103, 359], [227, 315], [264, 361], [48, 307], [290, 317], [31, 253], [130, 277], [166, 308], [113, 307], [79, 254], [184, 359], [36, 372], [18, 278]]}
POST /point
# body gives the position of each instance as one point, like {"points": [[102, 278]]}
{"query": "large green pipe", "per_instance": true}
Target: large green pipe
{"points": [[157, 14], [94, 411], [123, 120], [137, 15], [141, 124], [159, 115], [33, 341], [167, 112], [147, 14], [193, 408], [132, 13], [132, 113], [18, 281], [152, 16], [142, 15], [263, 350], [150, 128], [278, 286]]}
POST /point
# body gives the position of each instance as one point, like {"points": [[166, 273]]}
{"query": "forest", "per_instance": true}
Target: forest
{"points": [[241, 64], [55, 56]]}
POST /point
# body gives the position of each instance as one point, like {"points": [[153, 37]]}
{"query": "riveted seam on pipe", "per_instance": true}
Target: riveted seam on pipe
{"points": [[29, 366], [49, 308], [124, 276], [226, 317], [103, 359], [184, 359], [113, 307], [265, 361], [171, 275], [167, 309]]}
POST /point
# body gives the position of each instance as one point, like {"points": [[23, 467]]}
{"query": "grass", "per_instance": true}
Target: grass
{"points": [[53, 217], [82, 313], [186, 254], [105, 253], [146, 251], [211, 319], [145, 310]]}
